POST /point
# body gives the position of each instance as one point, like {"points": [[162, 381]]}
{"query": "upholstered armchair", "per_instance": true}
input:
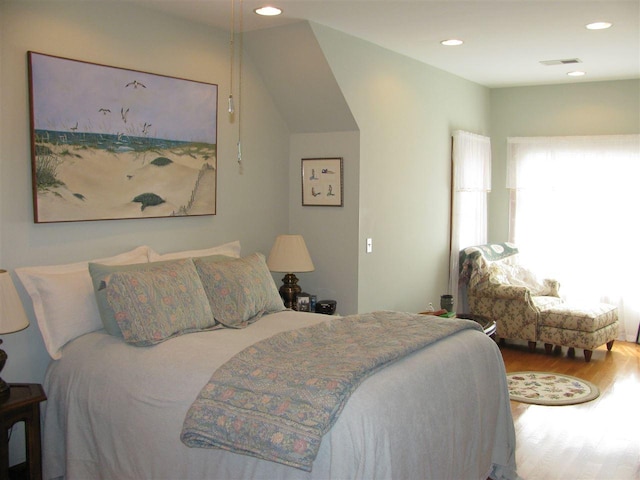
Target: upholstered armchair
{"points": [[500, 289]]}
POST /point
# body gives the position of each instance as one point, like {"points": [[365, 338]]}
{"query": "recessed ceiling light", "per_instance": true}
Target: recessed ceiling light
{"points": [[268, 11], [452, 42], [576, 73], [598, 25]]}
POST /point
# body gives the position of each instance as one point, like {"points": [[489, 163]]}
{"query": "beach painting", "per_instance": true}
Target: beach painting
{"points": [[111, 143]]}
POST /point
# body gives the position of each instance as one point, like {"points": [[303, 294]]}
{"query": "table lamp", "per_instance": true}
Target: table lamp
{"points": [[289, 254], [12, 319]]}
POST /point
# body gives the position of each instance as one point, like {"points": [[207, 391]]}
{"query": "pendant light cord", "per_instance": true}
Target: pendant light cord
{"points": [[240, 166], [232, 56]]}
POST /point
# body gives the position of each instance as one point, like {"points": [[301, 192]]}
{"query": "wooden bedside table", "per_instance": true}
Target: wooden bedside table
{"points": [[489, 326], [22, 405]]}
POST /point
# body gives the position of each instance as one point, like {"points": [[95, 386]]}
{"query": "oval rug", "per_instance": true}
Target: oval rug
{"points": [[545, 388]]}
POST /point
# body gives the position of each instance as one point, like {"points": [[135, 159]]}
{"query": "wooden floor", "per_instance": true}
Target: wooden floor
{"points": [[594, 440]]}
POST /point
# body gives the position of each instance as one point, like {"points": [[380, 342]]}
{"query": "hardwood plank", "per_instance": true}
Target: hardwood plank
{"points": [[591, 441]]}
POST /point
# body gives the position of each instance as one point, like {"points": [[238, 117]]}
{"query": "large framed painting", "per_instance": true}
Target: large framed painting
{"points": [[110, 143], [322, 182]]}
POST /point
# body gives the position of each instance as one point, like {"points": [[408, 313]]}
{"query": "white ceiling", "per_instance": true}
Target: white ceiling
{"points": [[505, 40]]}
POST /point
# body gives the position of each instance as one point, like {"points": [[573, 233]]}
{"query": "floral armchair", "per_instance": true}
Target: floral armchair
{"points": [[500, 289]]}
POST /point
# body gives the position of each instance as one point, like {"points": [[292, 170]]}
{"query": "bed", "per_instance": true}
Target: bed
{"points": [[116, 410]]}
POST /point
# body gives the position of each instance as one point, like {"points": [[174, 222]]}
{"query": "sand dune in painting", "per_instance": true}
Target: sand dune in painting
{"points": [[96, 184]]}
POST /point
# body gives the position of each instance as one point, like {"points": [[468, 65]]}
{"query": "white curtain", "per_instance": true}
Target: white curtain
{"points": [[575, 204], [471, 180]]}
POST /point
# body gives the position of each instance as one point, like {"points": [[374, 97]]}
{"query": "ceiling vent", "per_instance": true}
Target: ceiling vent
{"points": [[566, 61]]}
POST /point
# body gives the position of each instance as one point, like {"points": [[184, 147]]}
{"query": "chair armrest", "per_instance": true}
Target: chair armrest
{"points": [[506, 292]]}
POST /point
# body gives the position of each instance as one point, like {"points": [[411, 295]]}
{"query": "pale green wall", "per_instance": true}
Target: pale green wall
{"points": [[406, 112], [331, 233], [295, 69], [594, 108], [251, 207]]}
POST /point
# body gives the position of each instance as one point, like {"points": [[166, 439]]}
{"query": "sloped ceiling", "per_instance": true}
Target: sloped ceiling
{"points": [[297, 74]]}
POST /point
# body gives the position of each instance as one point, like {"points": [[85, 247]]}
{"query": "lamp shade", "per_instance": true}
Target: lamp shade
{"points": [[12, 316], [289, 254]]}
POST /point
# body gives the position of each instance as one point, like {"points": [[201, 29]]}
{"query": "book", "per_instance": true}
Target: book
{"points": [[437, 313]]}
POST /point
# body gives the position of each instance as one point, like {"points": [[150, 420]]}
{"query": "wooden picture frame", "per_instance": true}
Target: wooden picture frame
{"points": [[322, 182], [111, 143]]}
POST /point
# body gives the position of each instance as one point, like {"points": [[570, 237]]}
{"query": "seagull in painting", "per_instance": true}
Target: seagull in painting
{"points": [[73, 129], [104, 111], [124, 113], [135, 84], [145, 128]]}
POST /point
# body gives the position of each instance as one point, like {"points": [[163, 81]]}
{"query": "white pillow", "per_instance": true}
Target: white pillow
{"points": [[519, 276], [231, 249], [63, 298]]}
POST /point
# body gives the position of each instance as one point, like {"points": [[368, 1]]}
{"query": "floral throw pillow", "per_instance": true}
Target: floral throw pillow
{"points": [[158, 301], [240, 291]]}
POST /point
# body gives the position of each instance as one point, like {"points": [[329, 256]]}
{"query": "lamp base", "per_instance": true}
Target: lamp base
{"points": [[4, 388], [289, 290]]}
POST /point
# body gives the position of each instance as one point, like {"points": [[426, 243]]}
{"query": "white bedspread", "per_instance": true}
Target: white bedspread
{"points": [[115, 411]]}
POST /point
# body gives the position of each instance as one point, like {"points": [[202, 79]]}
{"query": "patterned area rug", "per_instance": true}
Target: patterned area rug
{"points": [[544, 388]]}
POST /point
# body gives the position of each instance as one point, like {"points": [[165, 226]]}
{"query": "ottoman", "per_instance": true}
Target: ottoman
{"points": [[578, 326]]}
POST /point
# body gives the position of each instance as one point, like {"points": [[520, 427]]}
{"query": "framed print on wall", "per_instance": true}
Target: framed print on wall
{"points": [[322, 182], [110, 143]]}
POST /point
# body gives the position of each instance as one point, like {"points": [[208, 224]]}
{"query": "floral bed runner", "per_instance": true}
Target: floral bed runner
{"points": [[276, 399]]}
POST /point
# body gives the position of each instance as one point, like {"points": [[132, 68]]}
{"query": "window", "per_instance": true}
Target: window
{"points": [[574, 215]]}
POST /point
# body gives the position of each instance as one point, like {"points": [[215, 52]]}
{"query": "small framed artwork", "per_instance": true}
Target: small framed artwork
{"points": [[110, 143], [303, 302], [322, 182]]}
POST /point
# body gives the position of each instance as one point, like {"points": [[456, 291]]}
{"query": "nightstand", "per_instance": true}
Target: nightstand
{"points": [[488, 326], [22, 405]]}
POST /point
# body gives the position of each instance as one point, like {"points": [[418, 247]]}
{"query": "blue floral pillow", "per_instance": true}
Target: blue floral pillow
{"points": [[158, 301], [99, 272], [240, 291]]}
